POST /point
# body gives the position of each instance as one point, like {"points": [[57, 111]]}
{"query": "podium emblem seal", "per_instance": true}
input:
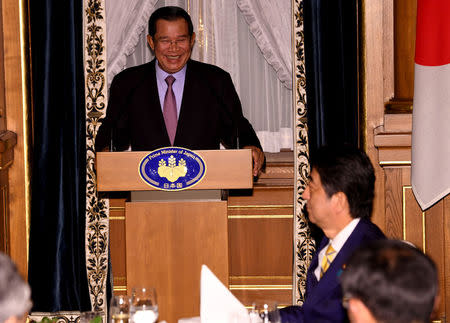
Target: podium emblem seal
{"points": [[172, 169]]}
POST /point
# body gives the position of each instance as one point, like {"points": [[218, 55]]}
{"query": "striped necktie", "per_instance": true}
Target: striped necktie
{"points": [[170, 110], [327, 260]]}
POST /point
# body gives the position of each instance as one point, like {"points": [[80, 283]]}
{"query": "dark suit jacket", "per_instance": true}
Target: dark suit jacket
{"points": [[324, 298], [210, 113]]}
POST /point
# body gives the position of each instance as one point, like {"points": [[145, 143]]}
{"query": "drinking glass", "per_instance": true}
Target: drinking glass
{"points": [[144, 308], [119, 309], [264, 312]]}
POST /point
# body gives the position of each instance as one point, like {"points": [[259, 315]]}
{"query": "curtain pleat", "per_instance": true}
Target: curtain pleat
{"points": [[57, 268], [124, 28], [269, 24], [331, 58]]}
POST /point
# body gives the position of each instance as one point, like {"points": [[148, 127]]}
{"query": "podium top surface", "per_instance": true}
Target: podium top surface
{"points": [[225, 169]]}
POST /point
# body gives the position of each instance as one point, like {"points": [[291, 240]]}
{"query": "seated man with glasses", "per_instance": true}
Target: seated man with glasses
{"points": [[390, 282], [339, 199], [173, 100], [15, 301]]}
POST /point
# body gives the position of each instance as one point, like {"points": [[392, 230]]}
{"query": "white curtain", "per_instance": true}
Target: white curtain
{"points": [[260, 74], [125, 22], [266, 101], [267, 20]]}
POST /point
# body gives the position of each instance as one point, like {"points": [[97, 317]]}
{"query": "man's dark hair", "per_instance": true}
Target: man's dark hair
{"points": [[394, 280], [347, 169], [169, 13]]}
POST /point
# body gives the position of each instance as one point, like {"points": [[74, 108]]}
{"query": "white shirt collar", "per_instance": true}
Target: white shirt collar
{"points": [[161, 74], [337, 242]]}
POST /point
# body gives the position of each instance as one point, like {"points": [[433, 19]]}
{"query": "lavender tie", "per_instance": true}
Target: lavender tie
{"points": [[170, 110]]}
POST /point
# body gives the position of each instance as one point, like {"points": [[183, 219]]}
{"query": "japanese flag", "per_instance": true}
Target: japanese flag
{"points": [[431, 109]]}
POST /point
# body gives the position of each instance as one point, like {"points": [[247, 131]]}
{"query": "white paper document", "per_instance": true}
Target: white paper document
{"points": [[217, 303]]}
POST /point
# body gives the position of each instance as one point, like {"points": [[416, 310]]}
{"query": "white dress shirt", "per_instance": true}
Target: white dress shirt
{"points": [[337, 243], [177, 87]]}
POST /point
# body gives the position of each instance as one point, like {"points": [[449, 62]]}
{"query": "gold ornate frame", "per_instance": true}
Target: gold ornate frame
{"points": [[97, 223], [303, 243]]}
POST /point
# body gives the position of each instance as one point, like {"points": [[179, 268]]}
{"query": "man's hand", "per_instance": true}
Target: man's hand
{"points": [[258, 159]]}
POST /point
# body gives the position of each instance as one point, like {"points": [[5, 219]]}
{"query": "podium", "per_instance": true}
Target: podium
{"points": [[169, 235]]}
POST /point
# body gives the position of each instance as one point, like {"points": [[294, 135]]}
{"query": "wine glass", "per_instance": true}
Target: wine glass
{"points": [[264, 312], [144, 308], [119, 309]]}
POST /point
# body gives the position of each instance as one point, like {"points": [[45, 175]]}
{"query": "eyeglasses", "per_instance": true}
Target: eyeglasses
{"points": [[345, 300], [181, 42]]}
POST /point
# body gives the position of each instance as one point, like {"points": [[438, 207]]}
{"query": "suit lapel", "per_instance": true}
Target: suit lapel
{"points": [[330, 279], [188, 101], [311, 280], [151, 95]]}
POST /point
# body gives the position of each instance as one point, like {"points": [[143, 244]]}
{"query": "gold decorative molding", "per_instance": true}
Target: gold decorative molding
{"points": [[404, 188], [116, 218], [362, 48], [260, 206], [424, 234], [424, 238], [26, 102], [120, 288], [395, 163], [260, 287], [260, 277], [261, 216]]}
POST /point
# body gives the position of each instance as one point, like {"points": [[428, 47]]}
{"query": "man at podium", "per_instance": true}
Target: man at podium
{"points": [[173, 100]]}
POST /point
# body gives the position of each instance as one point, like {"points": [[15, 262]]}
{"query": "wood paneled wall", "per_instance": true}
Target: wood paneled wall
{"points": [[14, 119], [260, 227], [387, 80]]}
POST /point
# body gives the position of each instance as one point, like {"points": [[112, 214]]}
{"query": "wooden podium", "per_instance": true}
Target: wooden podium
{"points": [[170, 236]]}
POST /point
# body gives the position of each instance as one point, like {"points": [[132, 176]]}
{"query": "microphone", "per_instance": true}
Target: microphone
{"points": [[111, 141], [236, 125]]}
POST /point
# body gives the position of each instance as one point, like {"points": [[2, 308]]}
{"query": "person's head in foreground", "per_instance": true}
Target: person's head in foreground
{"points": [[389, 281], [14, 293]]}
